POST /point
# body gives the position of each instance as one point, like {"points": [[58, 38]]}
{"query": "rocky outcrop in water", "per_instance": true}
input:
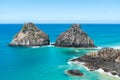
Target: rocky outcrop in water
{"points": [[30, 35], [74, 72], [74, 37], [107, 58]]}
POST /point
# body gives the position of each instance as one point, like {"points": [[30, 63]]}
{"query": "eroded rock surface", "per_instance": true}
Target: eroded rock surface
{"points": [[107, 58], [74, 37], [74, 72], [30, 35]]}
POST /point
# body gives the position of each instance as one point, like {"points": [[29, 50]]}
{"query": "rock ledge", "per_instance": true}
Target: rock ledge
{"points": [[107, 58]]}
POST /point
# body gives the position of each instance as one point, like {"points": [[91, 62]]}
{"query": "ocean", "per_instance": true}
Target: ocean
{"points": [[49, 62]]}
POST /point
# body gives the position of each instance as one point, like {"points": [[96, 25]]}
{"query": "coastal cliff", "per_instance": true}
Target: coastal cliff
{"points": [[74, 37], [107, 58], [30, 35]]}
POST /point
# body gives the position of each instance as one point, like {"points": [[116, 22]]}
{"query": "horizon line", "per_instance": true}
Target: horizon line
{"points": [[63, 23]]}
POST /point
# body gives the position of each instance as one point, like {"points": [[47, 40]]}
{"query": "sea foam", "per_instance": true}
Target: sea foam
{"points": [[35, 46], [100, 70]]}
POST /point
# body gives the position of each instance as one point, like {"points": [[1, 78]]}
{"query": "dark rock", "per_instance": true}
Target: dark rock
{"points": [[115, 73], [30, 35], [74, 72], [74, 37], [105, 69], [107, 58]]}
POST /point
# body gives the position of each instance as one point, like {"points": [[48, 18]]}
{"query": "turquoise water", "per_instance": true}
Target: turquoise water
{"points": [[49, 63]]}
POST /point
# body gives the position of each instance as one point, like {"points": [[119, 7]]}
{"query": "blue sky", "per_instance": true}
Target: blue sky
{"points": [[60, 11]]}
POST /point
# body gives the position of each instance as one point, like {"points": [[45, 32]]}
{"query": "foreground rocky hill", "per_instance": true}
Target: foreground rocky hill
{"points": [[74, 37], [30, 35], [107, 58]]}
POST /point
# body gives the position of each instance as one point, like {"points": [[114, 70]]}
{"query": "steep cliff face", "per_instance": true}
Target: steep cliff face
{"points": [[30, 35], [74, 37]]}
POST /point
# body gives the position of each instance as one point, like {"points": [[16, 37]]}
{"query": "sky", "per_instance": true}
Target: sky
{"points": [[60, 11]]}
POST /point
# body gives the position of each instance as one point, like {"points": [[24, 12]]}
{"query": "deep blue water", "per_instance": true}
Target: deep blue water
{"points": [[49, 63]]}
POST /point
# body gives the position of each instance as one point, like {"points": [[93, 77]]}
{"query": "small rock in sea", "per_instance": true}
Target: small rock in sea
{"points": [[74, 72], [74, 37], [30, 35]]}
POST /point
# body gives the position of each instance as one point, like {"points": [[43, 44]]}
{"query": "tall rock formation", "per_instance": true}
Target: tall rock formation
{"points": [[30, 35], [74, 37]]}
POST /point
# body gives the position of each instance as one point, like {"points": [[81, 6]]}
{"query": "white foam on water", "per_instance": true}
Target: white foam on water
{"points": [[35, 47], [77, 51], [75, 62], [44, 46], [52, 42], [49, 46], [116, 47], [99, 47], [78, 63], [100, 70], [62, 66], [73, 58]]}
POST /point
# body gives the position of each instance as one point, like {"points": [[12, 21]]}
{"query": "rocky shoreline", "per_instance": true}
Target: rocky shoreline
{"points": [[107, 59]]}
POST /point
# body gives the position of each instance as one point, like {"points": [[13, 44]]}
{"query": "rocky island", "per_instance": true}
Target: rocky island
{"points": [[30, 35], [74, 37], [74, 72], [107, 59]]}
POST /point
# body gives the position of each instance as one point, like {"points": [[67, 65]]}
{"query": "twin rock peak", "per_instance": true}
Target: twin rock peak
{"points": [[30, 35]]}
